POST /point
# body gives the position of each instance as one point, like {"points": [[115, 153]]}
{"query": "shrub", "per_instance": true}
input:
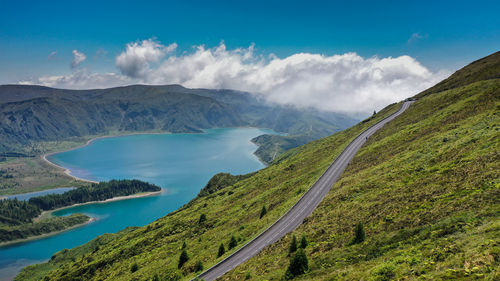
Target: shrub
{"points": [[232, 243], [134, 267], [222, 250], [359, 234], [293, 245], [198, 266], [263, 212], [183, 258], [202, 219]]}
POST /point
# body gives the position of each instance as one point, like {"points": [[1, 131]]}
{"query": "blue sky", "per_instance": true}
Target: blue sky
{"points": [[441, 35]]}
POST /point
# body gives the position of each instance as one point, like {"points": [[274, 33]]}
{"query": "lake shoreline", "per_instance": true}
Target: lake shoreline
{"points": [[68, 171], [46, 214], [45, 235]]}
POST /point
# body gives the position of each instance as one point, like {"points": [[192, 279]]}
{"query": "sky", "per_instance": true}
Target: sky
{"points": [[346, 56]]}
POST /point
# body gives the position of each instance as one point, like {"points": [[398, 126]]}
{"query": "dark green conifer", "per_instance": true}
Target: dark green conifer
{"points": [[222, 250], [298, 264], [303, 242], [232, 243], [183, 258], [263, 212], [293, 245]]}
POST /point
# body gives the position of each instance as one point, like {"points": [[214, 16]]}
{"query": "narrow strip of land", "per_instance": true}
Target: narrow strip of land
{"points": [[303, 208]]}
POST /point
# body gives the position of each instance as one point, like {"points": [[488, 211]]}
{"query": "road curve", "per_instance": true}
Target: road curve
{"points": [[303, 208]]}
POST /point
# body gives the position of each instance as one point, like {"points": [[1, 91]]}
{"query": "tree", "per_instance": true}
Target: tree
{"points": [[263, 212], [293, 245], [232, 243], [198, 266], [298, 264], [374, 112], [359, 234], [303, 242], [184, 245], [134, 267], [202, 219], [183, 258], [222, 250]]}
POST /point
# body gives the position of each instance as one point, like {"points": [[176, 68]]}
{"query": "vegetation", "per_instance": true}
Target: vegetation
{"points": [[303, 242], [222, 250], [96, 192], [46, 226], [263, 212], [359, 234], [15, 212], [425, 187], [298, 264], [293, 245], [232, 243], [183, 258]]}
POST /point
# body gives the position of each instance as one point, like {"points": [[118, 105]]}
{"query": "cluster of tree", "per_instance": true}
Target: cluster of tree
{"points": [[9, 233], [15, 212], [97, 192], [299, 264], [16, 217]]}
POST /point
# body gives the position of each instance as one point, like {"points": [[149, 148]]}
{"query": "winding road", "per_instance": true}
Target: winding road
{"points": [[303, 208]]}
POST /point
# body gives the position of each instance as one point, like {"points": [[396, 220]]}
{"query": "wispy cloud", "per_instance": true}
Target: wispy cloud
{"points": [[415, 37], [52, 55], [345, 83], [78, 58]]}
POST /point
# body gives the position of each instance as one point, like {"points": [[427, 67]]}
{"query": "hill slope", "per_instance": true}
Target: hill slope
{"points": [[425, 187]]}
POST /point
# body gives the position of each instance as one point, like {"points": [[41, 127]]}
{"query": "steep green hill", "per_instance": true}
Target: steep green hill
{"points": [[425, 187]]}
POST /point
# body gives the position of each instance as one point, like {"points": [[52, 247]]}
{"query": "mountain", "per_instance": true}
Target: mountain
{"points": [[424, 188], [30, 114]]}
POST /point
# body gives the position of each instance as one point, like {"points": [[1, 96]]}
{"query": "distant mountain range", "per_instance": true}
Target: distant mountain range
{"points": [[31, 114]]}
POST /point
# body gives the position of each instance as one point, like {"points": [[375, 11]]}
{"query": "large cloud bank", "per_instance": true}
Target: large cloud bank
{"points": [[346, 83]]}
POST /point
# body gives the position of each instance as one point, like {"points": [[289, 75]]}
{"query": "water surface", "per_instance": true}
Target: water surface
{"points": [[180, 163]]}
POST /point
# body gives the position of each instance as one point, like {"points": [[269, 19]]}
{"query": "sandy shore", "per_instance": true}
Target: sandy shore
{"points": [[45, 214]]}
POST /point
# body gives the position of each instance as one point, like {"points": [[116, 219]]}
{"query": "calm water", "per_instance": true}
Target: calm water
{"points": [[179, 163]]}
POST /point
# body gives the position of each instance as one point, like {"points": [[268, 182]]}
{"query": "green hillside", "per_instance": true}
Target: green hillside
{"points": [[425, 187]]}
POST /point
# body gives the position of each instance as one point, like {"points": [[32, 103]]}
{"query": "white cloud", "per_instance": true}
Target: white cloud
{"points": [[345, 83], [81, 79], [78, 58], [134, 62]]}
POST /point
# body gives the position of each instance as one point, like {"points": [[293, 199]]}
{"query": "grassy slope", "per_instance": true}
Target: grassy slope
{"points": [[427, 189], [156, 247]]}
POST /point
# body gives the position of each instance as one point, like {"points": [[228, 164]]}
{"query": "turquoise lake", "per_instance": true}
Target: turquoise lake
{"points": [[180, 163]]}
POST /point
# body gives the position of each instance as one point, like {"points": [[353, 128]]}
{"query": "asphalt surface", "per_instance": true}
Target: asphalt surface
{"points": [[303, 208]]}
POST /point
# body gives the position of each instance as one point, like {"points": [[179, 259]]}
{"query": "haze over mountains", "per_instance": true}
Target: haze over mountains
{"points": [[31, 114]]}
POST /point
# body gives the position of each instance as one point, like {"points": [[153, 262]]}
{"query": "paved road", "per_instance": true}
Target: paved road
{"points": [[303, 208]]}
